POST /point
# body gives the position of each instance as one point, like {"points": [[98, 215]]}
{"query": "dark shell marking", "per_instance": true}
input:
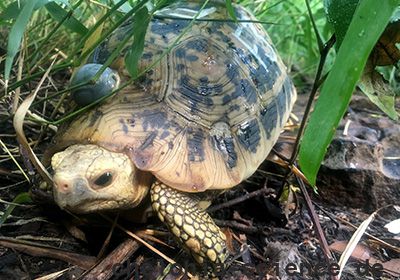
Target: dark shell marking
{"points": [[210, 111]]}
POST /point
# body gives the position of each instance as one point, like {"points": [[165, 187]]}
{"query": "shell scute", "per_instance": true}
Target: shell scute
{"points": [[195, 140], [249, 135], [163, 28], [269, 118], [222, 138]]}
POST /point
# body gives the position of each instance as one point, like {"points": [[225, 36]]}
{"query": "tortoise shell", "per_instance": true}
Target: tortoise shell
{"points": [[207, 114]]}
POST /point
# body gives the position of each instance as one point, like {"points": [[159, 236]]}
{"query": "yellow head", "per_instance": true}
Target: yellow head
{"points": [[89, 178]]}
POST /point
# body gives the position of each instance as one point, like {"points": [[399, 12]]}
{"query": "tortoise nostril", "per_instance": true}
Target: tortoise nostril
{"points": [[65, 187], [62, 184]]}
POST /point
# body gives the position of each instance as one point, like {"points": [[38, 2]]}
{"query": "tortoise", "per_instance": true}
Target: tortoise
{"points": [[202, 119]]}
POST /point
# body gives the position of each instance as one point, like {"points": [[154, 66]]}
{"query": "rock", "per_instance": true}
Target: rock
{"points": [[362, 166]]}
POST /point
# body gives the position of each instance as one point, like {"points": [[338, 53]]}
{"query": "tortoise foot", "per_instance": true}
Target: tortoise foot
{"points": [[193, 227]]}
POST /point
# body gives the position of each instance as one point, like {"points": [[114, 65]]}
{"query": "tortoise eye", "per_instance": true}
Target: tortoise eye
{"points": [[104, 179]]}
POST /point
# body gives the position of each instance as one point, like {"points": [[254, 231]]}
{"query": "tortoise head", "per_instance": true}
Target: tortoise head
{"points": [[89, 178]]}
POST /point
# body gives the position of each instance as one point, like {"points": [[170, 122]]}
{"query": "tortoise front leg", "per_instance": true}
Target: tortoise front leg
{"points": [[193, 227]]}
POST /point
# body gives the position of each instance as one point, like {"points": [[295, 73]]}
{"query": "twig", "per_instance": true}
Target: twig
{"points": [[330, 215], [319, 231], [253, 251], [131, 234], [108, 238], [242, 227], [319, 40], [105, 269], [8, 173], [238, 200], [35, 249]]}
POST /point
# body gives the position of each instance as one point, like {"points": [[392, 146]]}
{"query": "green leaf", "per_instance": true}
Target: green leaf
{"points": [[230, 9], [368, 23], [16, 33], [20, 198], [141, 21], [339, 13], [13, 10], [69, 21]]}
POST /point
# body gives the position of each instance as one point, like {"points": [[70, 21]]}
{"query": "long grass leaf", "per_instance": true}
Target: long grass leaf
{"points": [[93, 29], [13, 10], [15, 36], [69, 21], [93, 38], [107, 32], [368, 23], [230, 9], [141, 21]]}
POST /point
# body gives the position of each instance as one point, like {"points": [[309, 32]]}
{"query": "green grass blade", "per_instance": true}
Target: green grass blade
{"points": [[20, 198], [69, 21], [106, 33], [13, 10], [230, 9], [141, 21], [369, 21], [15, 36]]}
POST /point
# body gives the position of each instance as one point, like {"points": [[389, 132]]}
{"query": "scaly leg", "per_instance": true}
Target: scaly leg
{"points": [[193, 227]]}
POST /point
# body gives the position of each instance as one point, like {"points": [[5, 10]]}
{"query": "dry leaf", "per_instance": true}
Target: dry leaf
{"points": [[392, 267], [361, 252]]}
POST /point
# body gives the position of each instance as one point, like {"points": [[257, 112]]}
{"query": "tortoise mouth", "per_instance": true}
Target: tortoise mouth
{"points": [[89, 205], [95, 206]]}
